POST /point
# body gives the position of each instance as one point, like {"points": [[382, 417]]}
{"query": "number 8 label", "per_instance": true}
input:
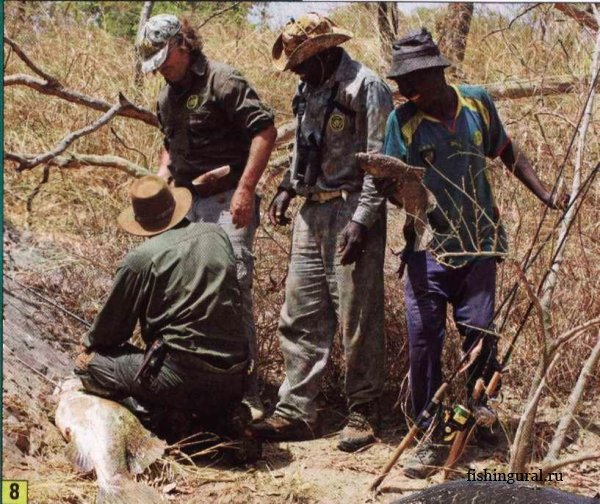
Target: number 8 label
{"points": [[14, 492]]}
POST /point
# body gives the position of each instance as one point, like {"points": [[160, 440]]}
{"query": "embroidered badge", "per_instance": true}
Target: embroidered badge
{"points": [[192, 102], [477, 138], [337, 122]]}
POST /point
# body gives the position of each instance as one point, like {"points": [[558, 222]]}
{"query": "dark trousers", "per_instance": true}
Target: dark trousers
{"points": [[179, 384], [430, 286]]}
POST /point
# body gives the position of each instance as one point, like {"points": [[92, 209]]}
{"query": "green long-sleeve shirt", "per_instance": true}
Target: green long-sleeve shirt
{"points": [[182, 287]]}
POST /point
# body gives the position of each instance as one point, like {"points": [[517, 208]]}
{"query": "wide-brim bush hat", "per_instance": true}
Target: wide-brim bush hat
{"points": [[155, 206], [153, 40], [304, 37], [416, 51]]}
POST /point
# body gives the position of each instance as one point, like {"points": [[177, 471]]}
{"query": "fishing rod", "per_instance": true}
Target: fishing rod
{"points": [[481, 392], [429, 411], [50, 302]]}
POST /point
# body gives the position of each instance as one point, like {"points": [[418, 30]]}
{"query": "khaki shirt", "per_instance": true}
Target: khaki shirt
{"points": [[209, 120], [182, 287], [357, 124]]}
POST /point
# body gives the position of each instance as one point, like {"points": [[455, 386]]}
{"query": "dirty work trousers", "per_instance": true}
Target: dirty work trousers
{"points": [[181, 384], [320, 293], [215, 209], [429, 286]]}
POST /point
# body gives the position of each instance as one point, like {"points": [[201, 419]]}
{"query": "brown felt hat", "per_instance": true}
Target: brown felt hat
{"points": [[155, 207], [303, 38]]}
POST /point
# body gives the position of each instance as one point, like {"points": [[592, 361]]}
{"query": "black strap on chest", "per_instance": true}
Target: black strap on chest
{"points": [[331, 104]]}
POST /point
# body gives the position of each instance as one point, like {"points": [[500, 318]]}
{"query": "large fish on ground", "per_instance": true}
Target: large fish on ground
{"points": [[106, 437]]}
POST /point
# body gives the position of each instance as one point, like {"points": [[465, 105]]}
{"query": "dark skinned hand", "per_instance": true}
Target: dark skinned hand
{"points": [[386, 187], [557, 203], [352, 242], [278, 207]]}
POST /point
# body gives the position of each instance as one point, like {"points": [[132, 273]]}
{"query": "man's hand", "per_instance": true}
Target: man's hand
{"points": [[242, 207], [387, 188], [278, 207], [556, 201], [83, 358], [352, 243]]}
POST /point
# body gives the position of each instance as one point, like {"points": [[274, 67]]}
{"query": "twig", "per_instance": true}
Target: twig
{"points": [[128, 147], [63, 145], [37, 189], [573, 403], [552, 278], [42, 86], [52, 81], [553, 466], [572, 333], [76, 160], [509, 26], [582, 17], [218, 13]]}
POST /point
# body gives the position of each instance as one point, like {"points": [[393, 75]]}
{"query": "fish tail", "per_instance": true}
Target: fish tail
{"points": [[126, 491]]}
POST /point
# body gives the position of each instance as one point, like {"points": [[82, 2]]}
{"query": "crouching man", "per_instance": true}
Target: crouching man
{"points": [[181, 286]]}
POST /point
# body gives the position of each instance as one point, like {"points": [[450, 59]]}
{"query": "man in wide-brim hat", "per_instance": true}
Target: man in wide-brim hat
{"points": [[336, 267], [180, 285], [449, 130]]}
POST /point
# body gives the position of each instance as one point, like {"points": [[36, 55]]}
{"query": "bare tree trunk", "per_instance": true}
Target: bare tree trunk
{"points": [[453, 34], [145, 14], [387, 22]]}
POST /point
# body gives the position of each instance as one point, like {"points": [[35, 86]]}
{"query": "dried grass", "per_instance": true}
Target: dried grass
{"points": [[77, 208]]}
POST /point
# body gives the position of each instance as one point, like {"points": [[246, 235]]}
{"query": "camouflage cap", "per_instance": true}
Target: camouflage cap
{"points": [[152, 43], [303, 38]]}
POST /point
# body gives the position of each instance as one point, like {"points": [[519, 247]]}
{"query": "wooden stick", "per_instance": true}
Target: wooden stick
{"points": [[437, 398]]}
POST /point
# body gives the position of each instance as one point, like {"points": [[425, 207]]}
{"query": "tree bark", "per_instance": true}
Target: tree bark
{"points": [[145, 14], [453, 34], [387, 22]]}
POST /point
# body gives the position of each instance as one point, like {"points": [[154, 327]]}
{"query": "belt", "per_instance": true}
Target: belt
{"points": [[322, 197]]}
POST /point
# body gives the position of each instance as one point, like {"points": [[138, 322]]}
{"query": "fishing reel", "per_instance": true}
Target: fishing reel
{"points": [[456, 420], [460, 418]]}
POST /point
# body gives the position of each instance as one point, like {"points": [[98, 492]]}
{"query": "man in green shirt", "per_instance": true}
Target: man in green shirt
{"points": [[218, 136], [181, 286]]}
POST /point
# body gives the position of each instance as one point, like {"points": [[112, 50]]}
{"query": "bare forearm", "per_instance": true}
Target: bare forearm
{"points": [[520, 166], [163, 167], [260, 150]]}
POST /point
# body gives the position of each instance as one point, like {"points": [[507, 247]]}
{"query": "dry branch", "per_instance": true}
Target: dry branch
{"points": [[572, 404], [520, 447], [44, 87], [582, 17], [75, 160], [557, 464], [218, 13], [51, 80], [29, 163]]}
